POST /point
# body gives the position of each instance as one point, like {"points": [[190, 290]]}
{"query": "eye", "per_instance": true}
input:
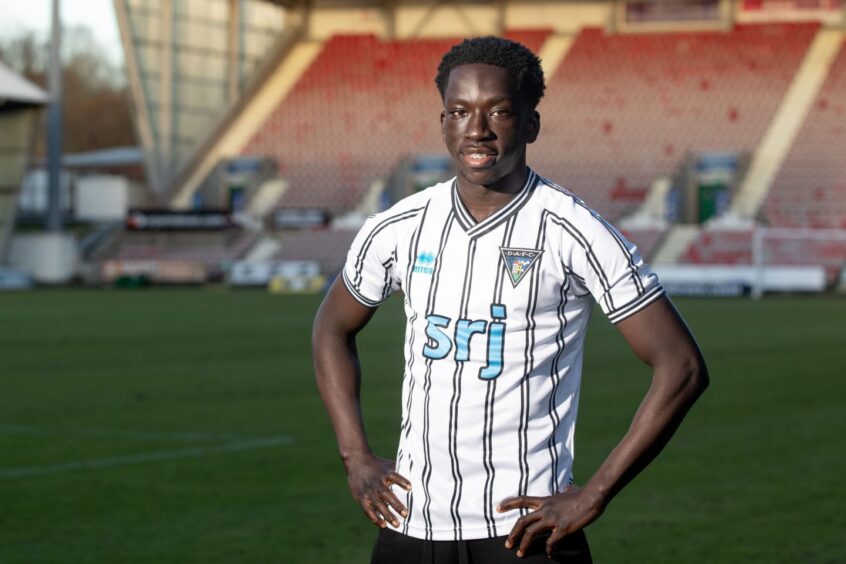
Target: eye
{"points": [[501, 113], [457, 113]]}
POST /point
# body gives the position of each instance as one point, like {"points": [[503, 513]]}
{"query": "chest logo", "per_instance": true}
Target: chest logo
{"points": [[425, 263], [518, 262]]}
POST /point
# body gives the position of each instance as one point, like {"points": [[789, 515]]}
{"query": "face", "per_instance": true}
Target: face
{"points": [[486, 127]]}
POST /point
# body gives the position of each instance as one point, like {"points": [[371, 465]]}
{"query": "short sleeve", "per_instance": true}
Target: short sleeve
{"points": [[370, 269], [614, 272]]}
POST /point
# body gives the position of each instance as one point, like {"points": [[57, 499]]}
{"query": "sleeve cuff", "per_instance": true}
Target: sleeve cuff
{"points": [[636, 305], [357, 295]]}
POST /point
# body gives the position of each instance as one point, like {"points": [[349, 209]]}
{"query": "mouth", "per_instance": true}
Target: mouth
{"points": [[477, 158]]}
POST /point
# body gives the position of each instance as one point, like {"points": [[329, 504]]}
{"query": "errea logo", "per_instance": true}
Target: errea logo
{"points": [[424, 264]]}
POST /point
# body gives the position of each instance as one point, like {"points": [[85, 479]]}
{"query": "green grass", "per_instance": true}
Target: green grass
{"points": [[755, 474]]}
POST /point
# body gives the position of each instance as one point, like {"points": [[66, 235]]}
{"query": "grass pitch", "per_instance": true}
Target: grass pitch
{"points": [[184, 426]]}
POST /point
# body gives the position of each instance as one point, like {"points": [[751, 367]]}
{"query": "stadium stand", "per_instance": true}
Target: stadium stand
{"points": [[326, 246], [808, 192], [623, 109], [646, 239], [360, 107], [810, 189], [212, 249]]}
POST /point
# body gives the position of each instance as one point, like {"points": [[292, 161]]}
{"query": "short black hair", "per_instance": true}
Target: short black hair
{"points": [[518, 59]]}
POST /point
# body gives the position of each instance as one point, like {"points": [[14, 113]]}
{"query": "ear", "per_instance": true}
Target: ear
{"points": [[443, 117], [533, 127]]}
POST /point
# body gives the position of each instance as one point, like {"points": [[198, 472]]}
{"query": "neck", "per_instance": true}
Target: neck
{"points": [[483, 201]]}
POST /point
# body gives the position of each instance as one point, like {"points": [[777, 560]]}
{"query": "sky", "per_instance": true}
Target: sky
{"points": [[19, 16]]}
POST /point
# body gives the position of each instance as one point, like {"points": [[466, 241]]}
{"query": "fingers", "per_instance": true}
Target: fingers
{"points": [[379, 512], [380, 502], [399, 480], [394, 502], [370, 480], [370, 511], [385, 512], [530, 534], [518, 502], [558, 533], [519, 527]]}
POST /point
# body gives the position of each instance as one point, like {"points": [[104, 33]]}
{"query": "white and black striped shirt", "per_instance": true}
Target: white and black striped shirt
{"points": [[497, 312]]}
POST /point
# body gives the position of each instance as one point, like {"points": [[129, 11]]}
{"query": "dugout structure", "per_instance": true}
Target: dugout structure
{"points": [[20, 105]]}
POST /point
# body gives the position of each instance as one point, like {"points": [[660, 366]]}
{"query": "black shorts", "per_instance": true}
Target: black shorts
{"points": [[392, 547]]}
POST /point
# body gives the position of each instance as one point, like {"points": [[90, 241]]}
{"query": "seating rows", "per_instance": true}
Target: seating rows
{"points": [[360, 107], [622, 110], [810, 188], [212, 249]]}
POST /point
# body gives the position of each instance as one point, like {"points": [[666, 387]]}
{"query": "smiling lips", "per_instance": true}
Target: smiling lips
{"points": [[478, 158]]}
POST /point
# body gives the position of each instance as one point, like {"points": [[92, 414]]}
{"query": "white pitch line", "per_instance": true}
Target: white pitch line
{"points": [[156, 456], [32, 431]]}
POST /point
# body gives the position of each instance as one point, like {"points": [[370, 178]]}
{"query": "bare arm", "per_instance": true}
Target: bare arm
{"points": [[338, 376], [660, 338]]}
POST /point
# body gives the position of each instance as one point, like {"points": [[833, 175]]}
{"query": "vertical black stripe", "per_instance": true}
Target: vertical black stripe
{"points": [[555, 418], [388, 265], [405, 428], [490, 395], [487, 505], [529, 354], [427, 385], [454, 400], [413, 249]]}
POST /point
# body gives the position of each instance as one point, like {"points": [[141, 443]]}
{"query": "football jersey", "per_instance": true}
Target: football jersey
{"points": [[496, 318]]}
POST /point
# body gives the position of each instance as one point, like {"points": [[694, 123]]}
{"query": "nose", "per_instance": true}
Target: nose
{"points": [[477, 126]]}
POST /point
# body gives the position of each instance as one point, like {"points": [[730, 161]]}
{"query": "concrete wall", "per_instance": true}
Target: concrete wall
{"points": [[563, 18], [446, 21], [326, 22]]}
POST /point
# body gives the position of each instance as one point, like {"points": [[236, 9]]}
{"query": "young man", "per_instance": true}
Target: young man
{"points": [[499, 268]]}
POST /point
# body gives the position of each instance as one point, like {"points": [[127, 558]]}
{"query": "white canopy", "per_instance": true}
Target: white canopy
{"points": [[15, 88]]}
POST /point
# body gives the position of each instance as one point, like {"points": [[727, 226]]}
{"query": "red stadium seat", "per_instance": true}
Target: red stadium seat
{"points": [[631, 105], [358, 87], [808, 191]]}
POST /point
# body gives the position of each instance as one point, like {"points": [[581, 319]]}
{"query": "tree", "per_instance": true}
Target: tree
{"points": [[96, 112]]}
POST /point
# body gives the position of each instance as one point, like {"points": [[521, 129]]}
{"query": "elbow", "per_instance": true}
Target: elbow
{"points": [[683, 376], [696, 378]]}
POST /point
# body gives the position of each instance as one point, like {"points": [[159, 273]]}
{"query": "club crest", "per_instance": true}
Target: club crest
{"points": [[518, 262]]}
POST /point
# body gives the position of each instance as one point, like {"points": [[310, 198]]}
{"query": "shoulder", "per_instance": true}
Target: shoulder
{"points": [[566, 209]]}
